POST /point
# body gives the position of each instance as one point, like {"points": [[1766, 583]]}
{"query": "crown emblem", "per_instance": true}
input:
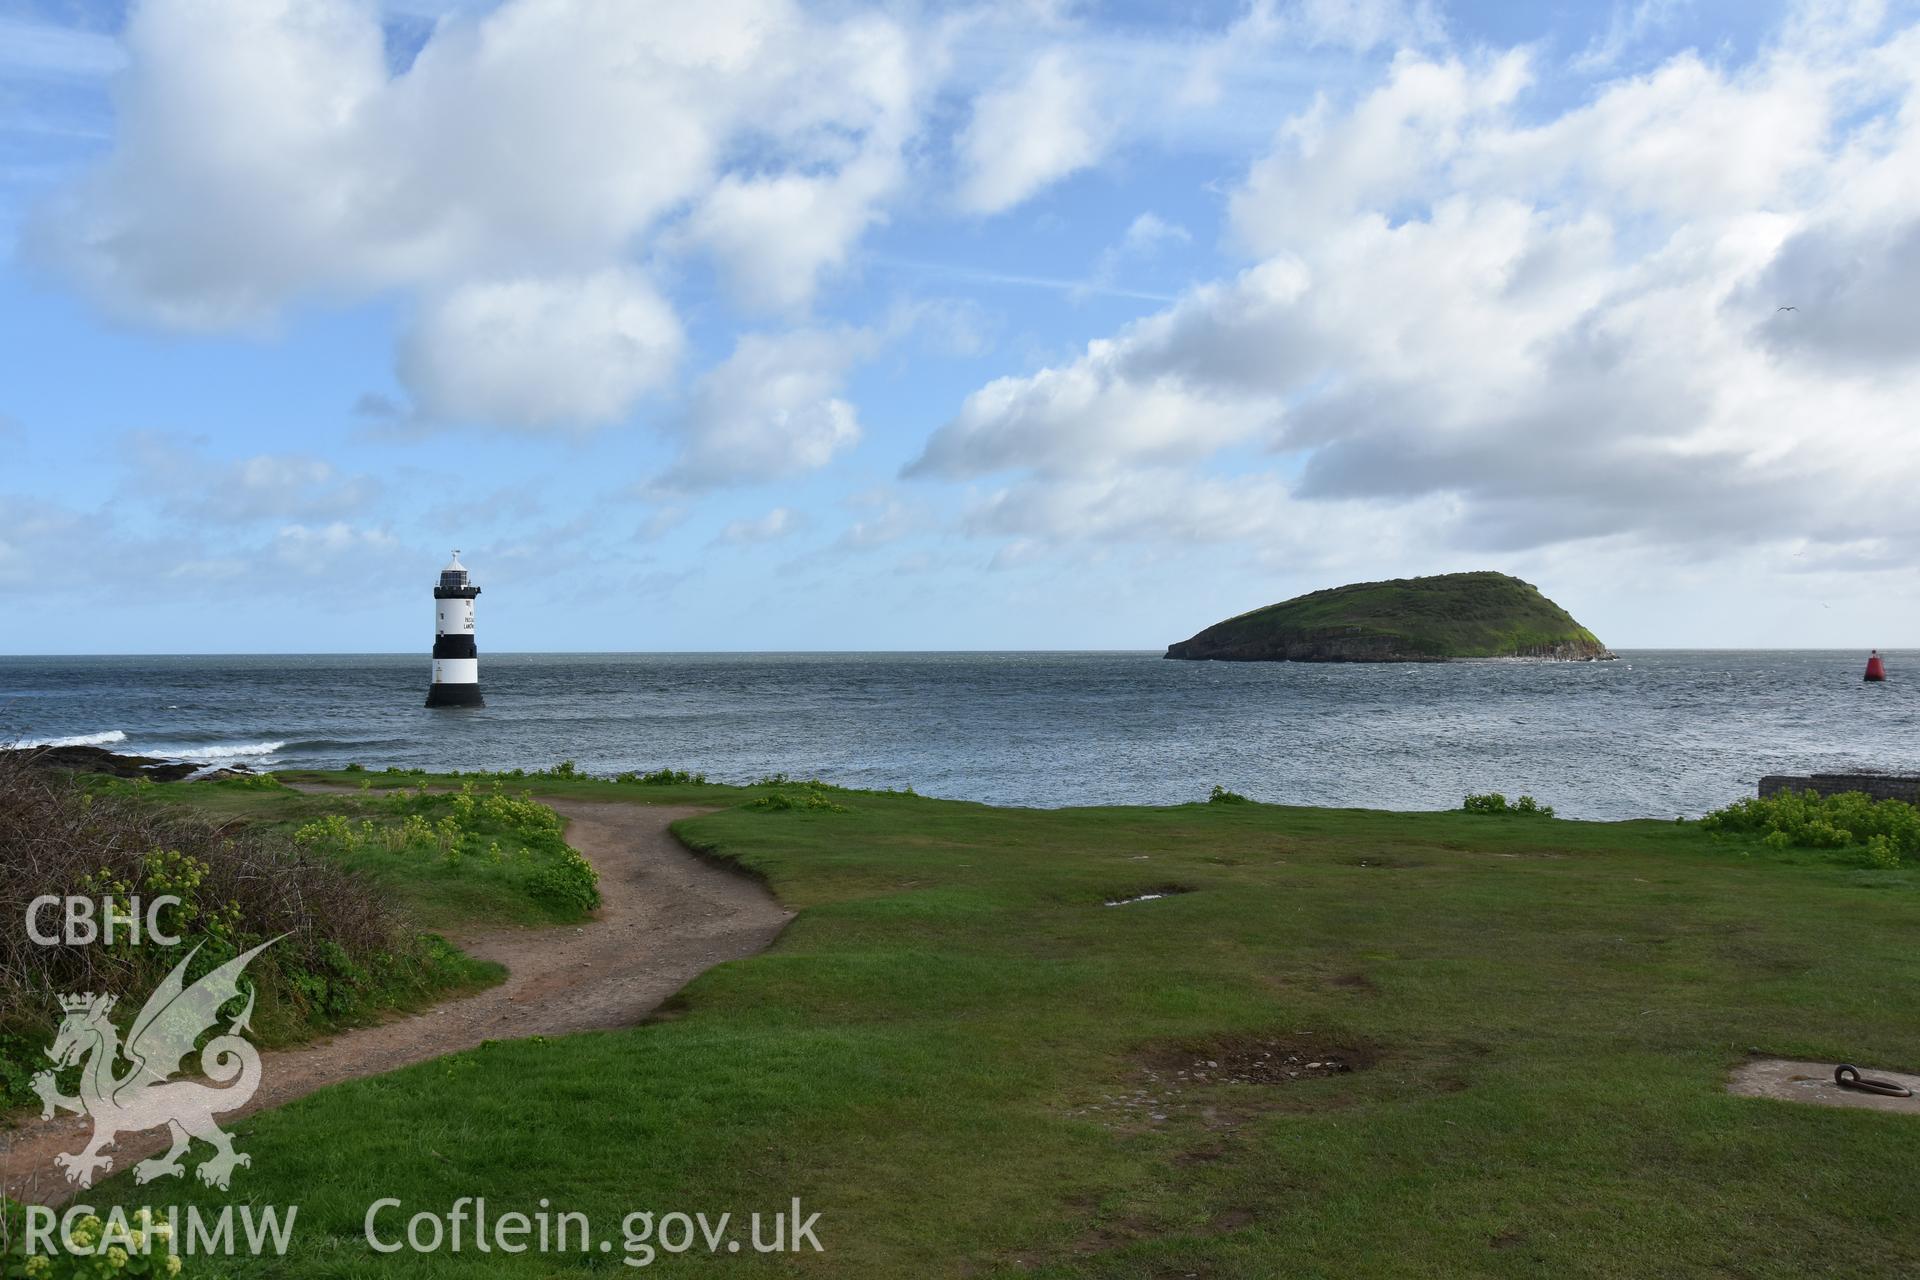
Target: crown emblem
{"points": [[85, 1002]]}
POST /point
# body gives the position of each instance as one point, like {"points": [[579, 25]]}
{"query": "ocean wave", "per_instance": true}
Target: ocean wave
{"points": [[217, 751], [350, 744], [101, 739]]}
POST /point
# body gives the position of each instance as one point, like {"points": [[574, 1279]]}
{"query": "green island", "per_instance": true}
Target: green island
{"points": [[1221, 1039], [1434, 619]]}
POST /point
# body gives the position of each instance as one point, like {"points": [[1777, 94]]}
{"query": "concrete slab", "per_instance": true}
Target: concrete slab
{"points": [[1812, 1082]]}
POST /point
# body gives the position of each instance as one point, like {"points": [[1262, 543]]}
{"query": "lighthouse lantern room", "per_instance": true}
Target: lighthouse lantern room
{"points": [[456, 663]]}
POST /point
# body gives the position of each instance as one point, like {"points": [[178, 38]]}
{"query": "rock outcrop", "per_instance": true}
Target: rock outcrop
{"points": [[100, 760]]}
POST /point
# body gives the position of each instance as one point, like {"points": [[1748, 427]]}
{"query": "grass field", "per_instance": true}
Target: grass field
{"points": [[970, 1065]]}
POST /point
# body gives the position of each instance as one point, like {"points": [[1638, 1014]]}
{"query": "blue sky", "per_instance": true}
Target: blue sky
{"points": [[756, 325]]}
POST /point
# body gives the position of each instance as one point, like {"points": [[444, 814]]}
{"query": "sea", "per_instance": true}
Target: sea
{"points": [[1656, 734]]}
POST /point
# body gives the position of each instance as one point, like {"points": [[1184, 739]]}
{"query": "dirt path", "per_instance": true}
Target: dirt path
{"points": [[666, 916]]}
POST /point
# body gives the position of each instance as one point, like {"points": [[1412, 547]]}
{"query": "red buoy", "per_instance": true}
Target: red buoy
{"points": [[1876, 669]]}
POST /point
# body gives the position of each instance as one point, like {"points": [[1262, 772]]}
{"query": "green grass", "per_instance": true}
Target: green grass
{"points": [[931, 1054], [451, 852], [1454, 615]]}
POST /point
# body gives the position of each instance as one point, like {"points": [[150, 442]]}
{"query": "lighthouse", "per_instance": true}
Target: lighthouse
{"points": [[456, 663]]}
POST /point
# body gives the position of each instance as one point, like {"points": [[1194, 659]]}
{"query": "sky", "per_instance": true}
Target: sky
{"points": [[1025, 325]]}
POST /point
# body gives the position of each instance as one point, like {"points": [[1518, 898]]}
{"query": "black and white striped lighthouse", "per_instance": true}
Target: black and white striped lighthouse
{"points": [[456, 663]]}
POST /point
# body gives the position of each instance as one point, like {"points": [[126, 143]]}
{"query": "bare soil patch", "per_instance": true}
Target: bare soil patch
{"points": [[1224, 1081]]}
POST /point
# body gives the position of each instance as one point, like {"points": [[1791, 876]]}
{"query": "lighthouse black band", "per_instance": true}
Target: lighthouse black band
{"points": [[454, 695], [455, 646]]}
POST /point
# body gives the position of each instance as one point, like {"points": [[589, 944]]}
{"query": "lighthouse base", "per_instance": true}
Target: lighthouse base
{"points": [[454, 695]]}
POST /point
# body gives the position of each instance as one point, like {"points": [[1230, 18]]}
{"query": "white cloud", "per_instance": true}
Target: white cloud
{"points": [[778, 523], [1030, 132], [1147, 237], [1234, 65], [777, 233], [885, 518], [541, 352], [1169, 388], [1149, 231], [310, 548], [1328, 166], [52, 550], [266, 155], [771, 409], [178, 478], [1506, 334]]}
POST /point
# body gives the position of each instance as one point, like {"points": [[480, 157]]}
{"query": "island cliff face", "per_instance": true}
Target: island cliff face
{"points": [[1452, 615]]}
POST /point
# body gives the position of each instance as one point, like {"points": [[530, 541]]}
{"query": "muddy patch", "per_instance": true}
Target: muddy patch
{"points": [[1257, 1060], [1231, 1220], [1357, 983], [1384, 861], [1224, 1082]]}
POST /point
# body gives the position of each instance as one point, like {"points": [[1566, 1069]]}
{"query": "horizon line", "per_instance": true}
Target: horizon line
{"points": [[670, 653]]}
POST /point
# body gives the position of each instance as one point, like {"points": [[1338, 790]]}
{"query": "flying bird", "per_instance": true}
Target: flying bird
{"points": [[1777, 310]]}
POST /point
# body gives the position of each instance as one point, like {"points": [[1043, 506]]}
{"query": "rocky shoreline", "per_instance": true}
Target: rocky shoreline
{"points": [[1340, 647], [113, 764]]}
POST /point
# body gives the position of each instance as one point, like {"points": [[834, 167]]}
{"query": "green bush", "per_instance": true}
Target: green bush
{"points": [[1493, 802], [1886, 833], [570, 884], [248, 782], [1220, 795], [813, 799], [136, 1245]]}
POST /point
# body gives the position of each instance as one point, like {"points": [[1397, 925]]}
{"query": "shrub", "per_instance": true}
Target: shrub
{"points": [[1493, 802], [813, 799], [1220, 795], [343, 951], [569, 885], [247, 782], [1886, 832], [136, 1245]]}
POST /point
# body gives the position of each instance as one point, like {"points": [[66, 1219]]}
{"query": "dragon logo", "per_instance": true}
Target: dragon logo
{"points": [[174, 1017]]}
